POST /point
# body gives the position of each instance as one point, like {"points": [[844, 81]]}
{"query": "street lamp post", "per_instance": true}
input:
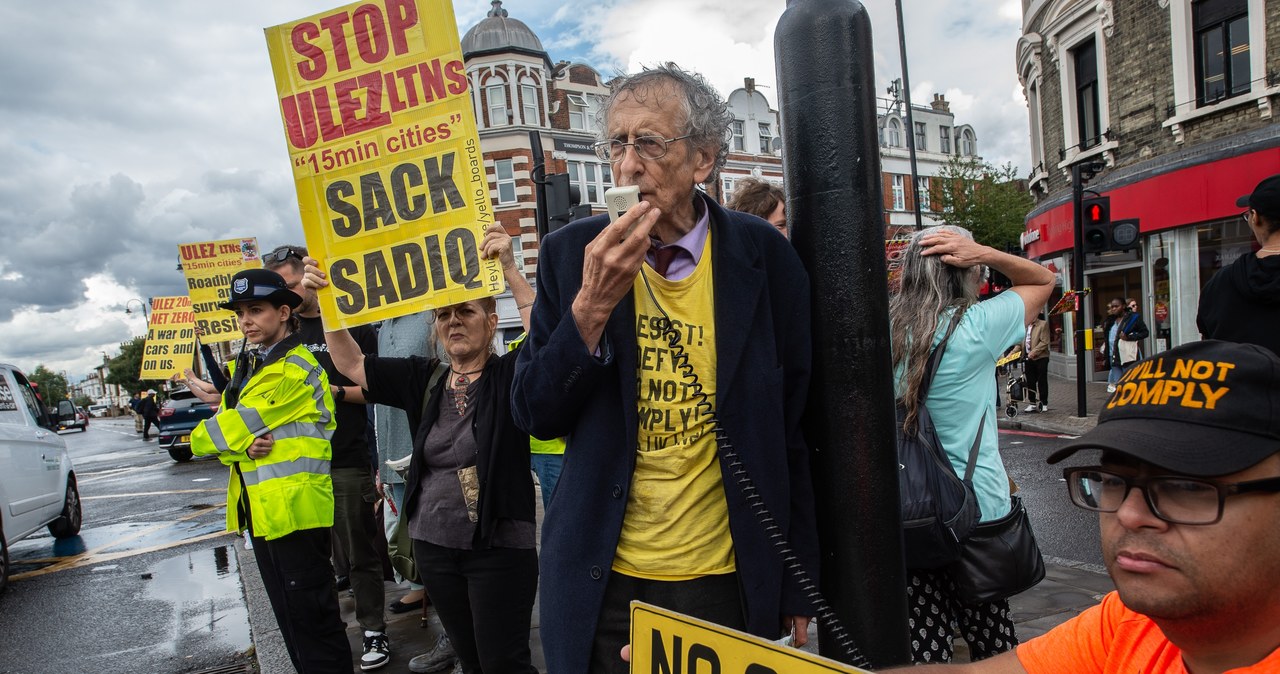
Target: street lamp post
{"points": [[142, 304]]}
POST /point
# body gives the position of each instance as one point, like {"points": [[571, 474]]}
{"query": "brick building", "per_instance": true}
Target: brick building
{"points": [[937, 140], [755, 150], [1176, 98], [516, 89]]}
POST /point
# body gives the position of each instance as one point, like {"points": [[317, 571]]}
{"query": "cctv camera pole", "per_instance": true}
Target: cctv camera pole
{"points": [[832, 167], [1077, 284]]}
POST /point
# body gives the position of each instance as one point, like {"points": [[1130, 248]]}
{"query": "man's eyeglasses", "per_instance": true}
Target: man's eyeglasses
{"points": [[646, 147], [282, 255], [1245, 215], [1174, 499]]}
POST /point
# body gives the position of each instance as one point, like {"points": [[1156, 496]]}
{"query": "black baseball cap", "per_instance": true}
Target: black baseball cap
{"points": [[1203, 409], [251, 285], [1265, 198]]}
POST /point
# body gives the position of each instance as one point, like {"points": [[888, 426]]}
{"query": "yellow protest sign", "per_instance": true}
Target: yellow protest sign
{"points": [[171, 338], [208, 267], [382, 138], [666, 641]]}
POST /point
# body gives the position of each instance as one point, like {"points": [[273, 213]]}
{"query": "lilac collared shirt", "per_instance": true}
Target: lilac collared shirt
{"points": [[689, 247]]}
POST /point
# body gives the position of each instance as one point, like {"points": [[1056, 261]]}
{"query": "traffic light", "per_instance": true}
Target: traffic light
{"points": [[559, 200], [1124, 235], [1095, 221]]}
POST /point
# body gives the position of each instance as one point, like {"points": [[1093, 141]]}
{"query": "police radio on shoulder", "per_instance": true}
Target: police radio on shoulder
{"points": [[619, 200]]}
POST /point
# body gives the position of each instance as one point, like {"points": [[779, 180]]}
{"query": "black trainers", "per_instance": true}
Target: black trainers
{"points": [[377, 651]]}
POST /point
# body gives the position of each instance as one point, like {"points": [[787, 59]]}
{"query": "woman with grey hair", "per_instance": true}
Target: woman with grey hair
{"points": [[941, 271]]}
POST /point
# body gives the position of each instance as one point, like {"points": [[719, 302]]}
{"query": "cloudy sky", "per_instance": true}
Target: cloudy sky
{"points": [[129, 126]]}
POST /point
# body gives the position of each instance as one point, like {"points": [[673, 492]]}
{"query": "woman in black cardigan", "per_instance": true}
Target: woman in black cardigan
{"points": [[469, 495]]}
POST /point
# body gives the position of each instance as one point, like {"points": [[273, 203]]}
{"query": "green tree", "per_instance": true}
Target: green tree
{"points": [[123, 370], [53, 386], [988, 200], [83, 401]]}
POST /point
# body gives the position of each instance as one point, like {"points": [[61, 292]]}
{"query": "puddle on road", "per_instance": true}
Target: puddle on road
{"points": [[41, 551], [207, 597]]}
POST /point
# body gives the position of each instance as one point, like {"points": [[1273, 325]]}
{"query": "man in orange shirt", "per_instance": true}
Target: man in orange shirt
{"points": [[1186, 491]]}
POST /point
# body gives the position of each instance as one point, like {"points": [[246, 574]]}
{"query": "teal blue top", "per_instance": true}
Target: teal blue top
{"points": [[964, 391]]}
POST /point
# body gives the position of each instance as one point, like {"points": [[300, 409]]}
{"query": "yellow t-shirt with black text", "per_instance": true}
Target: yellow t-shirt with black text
{"points": [[677, 521]]}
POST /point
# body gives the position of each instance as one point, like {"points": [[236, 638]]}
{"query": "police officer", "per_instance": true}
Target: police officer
{"points": [[274, 430]]}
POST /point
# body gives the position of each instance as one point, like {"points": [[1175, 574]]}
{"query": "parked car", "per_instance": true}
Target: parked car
{"points": [[37, 481], [71, 416], [179, 415], [98, 410]]}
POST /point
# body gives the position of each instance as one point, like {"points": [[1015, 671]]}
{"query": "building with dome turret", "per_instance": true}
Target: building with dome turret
{"points": [[516, 89]]}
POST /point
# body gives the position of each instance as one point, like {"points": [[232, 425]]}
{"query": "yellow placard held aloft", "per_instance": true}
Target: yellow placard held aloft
{"points": [[382, 138], [666, 641], [171, 338], [208, 267]]}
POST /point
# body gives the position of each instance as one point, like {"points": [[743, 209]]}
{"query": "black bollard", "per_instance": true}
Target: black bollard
{"points": [[831, 160]]}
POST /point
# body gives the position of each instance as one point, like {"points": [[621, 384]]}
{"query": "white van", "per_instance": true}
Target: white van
{"points": [[37, 482], [98, 410]]}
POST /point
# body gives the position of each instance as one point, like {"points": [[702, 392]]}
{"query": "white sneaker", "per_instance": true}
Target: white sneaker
{"points": [[1111, 388], [1031, 408], [1044, 408], [377, 651]]}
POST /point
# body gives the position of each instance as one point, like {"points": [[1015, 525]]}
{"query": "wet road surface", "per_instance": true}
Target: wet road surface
{"points": [[150, 585]]}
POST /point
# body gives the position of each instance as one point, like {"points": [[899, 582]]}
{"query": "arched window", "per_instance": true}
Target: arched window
{"points": [[894, 135], [968, 144]]}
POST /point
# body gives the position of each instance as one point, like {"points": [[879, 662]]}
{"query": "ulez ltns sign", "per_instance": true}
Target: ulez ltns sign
{"points": [[381, 132], [666, 642]]}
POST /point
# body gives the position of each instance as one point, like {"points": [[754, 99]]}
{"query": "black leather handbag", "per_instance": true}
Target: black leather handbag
{"points": [[999, 559]]}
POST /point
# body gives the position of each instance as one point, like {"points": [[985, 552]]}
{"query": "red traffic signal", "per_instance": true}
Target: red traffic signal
{"points": [[1095, 224], [1097, 211]]}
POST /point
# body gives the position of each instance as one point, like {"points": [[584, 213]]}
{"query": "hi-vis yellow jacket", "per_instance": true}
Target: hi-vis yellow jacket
{"points": [[290, 489]]}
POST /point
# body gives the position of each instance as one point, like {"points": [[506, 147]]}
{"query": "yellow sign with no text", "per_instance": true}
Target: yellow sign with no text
{"points": [[666, 641], [386, 160]]}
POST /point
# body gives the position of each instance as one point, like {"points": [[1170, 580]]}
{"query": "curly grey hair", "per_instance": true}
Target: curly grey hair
{"points": [[707, 117]]}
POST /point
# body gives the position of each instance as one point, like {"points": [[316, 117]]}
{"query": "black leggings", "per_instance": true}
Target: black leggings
{"points": [[485, 602]]}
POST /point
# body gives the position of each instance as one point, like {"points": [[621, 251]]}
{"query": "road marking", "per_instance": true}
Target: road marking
{"points": [[1035, 434], [152, 493], [118, 472], [96, 556]]}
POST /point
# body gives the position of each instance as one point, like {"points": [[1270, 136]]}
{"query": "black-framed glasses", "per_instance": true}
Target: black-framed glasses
{"points": [[646, 147], [1173, 498], [1245, 215], [282, 255]]}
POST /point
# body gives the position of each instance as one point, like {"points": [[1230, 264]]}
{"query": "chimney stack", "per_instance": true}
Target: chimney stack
{"points": [[749, 83], [940, 103]]}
